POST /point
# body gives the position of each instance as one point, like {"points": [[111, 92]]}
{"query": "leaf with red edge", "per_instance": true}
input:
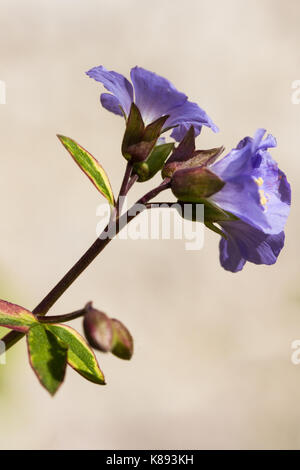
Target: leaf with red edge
{"points": [[15, 317], [80, 356], [90, 166]]}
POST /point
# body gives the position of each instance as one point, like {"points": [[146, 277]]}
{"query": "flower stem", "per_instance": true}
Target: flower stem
{"points": [[132, 180], [95, 249], [66, 317], [124, 188]]}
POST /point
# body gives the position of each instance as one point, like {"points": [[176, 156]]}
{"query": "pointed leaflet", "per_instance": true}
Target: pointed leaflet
{"points": [[15, 317], [80, 355], [48, 357], [90, 166]]}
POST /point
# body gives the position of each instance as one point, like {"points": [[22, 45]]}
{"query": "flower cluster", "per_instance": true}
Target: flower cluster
{"points": [[246, 200], [246, 196]]}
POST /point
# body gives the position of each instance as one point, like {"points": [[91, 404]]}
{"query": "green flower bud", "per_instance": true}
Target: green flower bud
{"points": [[194, 184], [122, 344]]}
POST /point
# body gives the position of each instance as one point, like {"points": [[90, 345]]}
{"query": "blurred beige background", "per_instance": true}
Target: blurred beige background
{"points": [[212, 364]]}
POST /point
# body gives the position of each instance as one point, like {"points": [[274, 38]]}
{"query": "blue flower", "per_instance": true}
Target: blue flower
{"points": [[257, 192], [154, 96]]}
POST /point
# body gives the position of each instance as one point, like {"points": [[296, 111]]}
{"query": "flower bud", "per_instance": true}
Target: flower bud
{"points": [[122, 344], [195, 184], [98, 330]]}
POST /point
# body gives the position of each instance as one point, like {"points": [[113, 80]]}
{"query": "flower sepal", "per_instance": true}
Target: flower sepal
{"points": [[198, 158], [185, 155], [139, 140], [212, 214]]}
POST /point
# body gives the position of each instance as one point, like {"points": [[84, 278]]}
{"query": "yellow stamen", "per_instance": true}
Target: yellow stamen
{"points": [[263, 198], [259, 181]]}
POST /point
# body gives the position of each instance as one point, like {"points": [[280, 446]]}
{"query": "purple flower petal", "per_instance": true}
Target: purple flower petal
{"points": [[230, 256], [116, 83], [155, 96], [249, 244], [237, 162], [111, 103], [265, 202], [240, 196], [187, 115], [275, 191]]}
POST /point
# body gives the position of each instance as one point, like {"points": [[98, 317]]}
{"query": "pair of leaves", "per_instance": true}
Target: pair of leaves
{"points": [[51, 347], [90, 166]]}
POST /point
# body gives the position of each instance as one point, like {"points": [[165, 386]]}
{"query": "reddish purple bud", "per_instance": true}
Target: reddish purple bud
{"points": [[98, 330]]}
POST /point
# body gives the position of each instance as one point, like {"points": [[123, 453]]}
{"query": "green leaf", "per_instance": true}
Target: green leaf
{"points": [[154, 162], [90, 166], [80, 356], [48, 357], [15, 317]]}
